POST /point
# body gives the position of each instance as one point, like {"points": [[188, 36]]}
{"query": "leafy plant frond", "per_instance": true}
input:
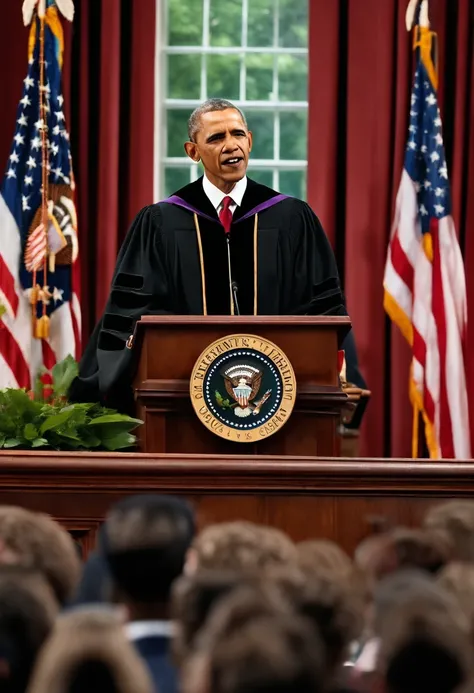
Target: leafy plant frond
{"points": [[28, 421]]}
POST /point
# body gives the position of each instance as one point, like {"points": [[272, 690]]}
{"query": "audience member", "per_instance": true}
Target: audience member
{"points": [[403, 548], [88, 652], [28, 608], [330, 603], [253, 642], [242, 547], [238, 609], [424, 647], [194, 597], [456, 519], [324, 556], [146, 540], [35, 540], [458, 580]]}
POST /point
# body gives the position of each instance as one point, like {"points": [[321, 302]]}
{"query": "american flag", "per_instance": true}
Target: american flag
{"points": [[425, 289], [23, 241]]}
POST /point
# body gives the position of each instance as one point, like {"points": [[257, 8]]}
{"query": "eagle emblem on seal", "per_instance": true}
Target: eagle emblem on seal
{"points": [[242, 383]]}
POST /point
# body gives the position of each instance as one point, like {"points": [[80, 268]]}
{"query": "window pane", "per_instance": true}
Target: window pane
{"points": [[185, 22], [293, 135], [293, 26], [177, 128], [184, 76], [293, 183], [293, 77], [260, 23], [259, 83], [223, 76], [176, 178], [226, 23], [265, 177], [261, 125]]}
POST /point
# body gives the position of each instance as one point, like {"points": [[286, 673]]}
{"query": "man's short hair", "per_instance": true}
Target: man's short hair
{"points": [[145, 544], [209, 106], [243, 547], [28, 609], [36, 540]]}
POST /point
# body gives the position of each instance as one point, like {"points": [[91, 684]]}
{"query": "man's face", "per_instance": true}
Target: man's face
{"points": [[223, 144]]}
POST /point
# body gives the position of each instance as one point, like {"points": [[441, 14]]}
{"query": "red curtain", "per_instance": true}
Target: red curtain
{"points": [[111, 86], [360, 79]]}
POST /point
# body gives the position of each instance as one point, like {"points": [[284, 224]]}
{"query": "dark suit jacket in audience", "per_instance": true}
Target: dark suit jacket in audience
{"points": [[152, 640]]}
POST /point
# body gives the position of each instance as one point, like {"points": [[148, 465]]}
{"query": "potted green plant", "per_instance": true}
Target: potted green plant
{"points": [[44, 419]]}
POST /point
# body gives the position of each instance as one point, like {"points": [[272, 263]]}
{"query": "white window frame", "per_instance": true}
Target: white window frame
{"points": [[163, 103]]}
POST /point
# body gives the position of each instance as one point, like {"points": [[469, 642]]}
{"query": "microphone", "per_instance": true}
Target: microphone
{"points": [[235, 289], [233, 286]]}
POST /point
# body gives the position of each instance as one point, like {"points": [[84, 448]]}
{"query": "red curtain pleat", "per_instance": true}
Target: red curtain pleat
{"points": [[14, 61], [112, 99], [107, 243], [324, 52], [142, 113]]}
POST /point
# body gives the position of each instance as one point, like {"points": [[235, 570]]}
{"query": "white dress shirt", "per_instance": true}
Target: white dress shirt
{"points": [[137, 630], [216, 196]]}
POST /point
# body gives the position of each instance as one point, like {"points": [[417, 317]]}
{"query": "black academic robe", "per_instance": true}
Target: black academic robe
{"points": [[175, 260]]}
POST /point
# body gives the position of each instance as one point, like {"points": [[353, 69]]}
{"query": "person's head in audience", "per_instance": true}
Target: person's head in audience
{"points": [[240, 546], [146, 540], [323, 556], [28, 608], [424, 647], [458, 580], [34, 539], [253, 642], [403, 548], [407, 586], [194, 598], [88, 652], [330, 603], [456, 519]]}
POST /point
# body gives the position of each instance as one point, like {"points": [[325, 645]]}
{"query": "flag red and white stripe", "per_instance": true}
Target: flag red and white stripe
{"points": [[425, 287]]}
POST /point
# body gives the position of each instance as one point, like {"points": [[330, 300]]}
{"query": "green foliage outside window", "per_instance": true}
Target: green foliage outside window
{"points": [[222, 72]]}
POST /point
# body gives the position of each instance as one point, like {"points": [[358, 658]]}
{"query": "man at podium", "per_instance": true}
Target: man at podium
{"points": [[222, 245]]}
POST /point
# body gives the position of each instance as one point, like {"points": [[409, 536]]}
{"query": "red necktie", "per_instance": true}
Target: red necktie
{"points": [[225, 215]]}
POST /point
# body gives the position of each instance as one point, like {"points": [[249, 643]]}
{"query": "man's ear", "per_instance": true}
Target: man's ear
{"points": [[192, 151], [250, 138]]}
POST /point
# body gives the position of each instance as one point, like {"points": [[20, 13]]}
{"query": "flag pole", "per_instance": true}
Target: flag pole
{"points": [[416, 430]]}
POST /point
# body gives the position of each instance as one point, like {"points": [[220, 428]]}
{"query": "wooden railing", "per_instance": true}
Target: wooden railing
{"points": [[308, 497]]}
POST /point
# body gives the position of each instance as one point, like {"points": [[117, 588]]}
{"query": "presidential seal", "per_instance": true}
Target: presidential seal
{"points": [[243, 388]]}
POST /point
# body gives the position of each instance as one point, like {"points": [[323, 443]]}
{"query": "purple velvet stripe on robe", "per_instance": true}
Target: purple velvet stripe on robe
{"points": [[179, 202]]}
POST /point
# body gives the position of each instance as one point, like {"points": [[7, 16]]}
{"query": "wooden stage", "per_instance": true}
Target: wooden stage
{"points": [[308, 497]]}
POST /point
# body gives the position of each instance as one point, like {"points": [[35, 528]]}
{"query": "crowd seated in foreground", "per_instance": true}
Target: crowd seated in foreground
{"points": [[236, 608]]}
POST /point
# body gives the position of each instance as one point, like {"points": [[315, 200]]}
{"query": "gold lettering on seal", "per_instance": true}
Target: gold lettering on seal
{"points": [[226, 424]]}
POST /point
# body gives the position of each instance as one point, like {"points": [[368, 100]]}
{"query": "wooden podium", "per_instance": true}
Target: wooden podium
{"points": [[167, 348]]}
